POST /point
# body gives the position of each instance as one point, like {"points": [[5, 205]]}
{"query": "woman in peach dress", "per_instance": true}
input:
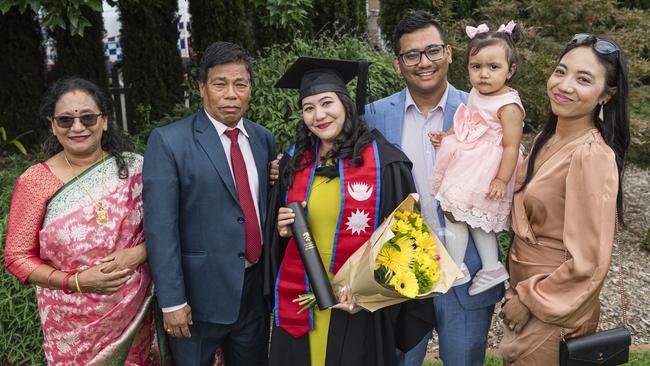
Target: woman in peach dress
{"points": [[564, 214]]}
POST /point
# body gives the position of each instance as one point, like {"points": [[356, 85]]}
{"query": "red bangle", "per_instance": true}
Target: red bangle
{"points": [[64, 285], [49, 277]]}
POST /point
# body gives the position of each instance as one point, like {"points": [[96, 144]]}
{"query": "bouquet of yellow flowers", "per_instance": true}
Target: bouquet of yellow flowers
{"points": [[402, 260], [408, 262]]}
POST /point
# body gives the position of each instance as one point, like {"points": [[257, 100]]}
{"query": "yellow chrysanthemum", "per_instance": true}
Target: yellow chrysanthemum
{"points": [[418, 222], [434, 275], [425, 261], [401, 215], [395, 260], [406, 284], [405, 243], [425, 241], [401, 227]]}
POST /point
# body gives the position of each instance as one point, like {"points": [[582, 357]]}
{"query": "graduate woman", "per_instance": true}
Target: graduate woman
{"points": [[351, 178]]}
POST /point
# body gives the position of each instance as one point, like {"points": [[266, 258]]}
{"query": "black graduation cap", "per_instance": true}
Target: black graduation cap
{"points": [[312, 75]]}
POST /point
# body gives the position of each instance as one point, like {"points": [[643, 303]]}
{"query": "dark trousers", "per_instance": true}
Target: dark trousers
{"points": [[244, 342]]}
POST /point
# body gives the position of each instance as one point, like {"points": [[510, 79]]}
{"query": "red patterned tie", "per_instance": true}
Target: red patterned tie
{"points": [[252, 227]]}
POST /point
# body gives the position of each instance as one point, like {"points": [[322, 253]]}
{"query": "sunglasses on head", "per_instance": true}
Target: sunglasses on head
{"points": [[602, 46], [87, 120]]}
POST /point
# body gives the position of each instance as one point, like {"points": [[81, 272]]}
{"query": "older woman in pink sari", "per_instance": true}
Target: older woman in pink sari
{"points": [[75, 231]]}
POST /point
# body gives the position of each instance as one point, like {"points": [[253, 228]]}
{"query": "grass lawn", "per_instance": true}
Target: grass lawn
{"points": [[636, 359]]}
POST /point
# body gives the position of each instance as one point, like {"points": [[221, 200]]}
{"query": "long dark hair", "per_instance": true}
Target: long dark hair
{"points": [[354, 137], [615, 125], [114, 141]]}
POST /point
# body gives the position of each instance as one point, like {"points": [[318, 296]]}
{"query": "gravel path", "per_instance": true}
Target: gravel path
{"points": [[636, 262]]}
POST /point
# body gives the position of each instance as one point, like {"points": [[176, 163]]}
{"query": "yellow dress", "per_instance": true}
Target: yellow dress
{"points": [[323, 213]]}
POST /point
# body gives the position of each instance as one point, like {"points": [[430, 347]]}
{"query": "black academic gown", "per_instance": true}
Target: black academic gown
{"points": [[364, 338]]}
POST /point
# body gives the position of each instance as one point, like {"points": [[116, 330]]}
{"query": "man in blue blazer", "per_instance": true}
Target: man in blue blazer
{"points": [[205, 200], [407, 118]]}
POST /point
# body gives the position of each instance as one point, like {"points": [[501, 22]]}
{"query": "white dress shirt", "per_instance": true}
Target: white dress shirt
{"points": [[253, 179], [417, 147]]}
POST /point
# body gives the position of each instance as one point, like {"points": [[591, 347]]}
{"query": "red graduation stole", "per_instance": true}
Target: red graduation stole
{"points": [[358, 218]]}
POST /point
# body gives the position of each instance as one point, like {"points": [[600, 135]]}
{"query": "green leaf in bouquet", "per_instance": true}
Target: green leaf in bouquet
{"points": [[424, 281], [383, 275]]}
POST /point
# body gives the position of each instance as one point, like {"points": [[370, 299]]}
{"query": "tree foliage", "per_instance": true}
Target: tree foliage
{"points": [[219, 20], [392, 11], [280, 20], [23, 73], [66, 14], [81, 56], [152, 66], [347, 16]]}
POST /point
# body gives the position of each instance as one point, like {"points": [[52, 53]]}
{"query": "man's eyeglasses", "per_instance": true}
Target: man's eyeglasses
{"points": [[434, 52], [602, 46], [87, 120]]}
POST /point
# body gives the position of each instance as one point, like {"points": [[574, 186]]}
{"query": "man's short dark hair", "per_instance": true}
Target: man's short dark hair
{"points": [[220, 53], [415, 21]]}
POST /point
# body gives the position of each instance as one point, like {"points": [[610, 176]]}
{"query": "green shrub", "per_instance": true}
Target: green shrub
{"points": [[21, 338], [639, 152], [646, 243]]}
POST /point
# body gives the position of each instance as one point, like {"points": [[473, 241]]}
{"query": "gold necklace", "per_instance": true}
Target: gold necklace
{"points": [[101, 214]]}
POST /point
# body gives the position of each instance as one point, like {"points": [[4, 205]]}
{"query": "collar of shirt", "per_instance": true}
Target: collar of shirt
{"points": [[411, 103], [221, 128]]}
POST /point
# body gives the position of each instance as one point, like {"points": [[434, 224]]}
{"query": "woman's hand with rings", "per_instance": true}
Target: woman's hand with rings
{"points": [[511, 325], [515, 314], [285, 219]]}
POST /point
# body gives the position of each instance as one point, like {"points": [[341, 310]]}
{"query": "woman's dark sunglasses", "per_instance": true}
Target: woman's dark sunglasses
{"points": [[87, 120], [602, 46]]}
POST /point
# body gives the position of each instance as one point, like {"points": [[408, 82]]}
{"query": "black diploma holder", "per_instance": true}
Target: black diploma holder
{"points": [[318, 279]]}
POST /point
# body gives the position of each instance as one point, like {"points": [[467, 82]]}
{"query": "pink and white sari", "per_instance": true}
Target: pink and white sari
{"points": [[92, 329]]}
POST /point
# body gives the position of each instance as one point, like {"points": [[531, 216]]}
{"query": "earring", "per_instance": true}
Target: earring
{"points": [[105, 128]]}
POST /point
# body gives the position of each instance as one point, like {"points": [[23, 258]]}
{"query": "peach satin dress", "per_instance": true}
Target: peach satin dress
{"points": [[569, 205]]}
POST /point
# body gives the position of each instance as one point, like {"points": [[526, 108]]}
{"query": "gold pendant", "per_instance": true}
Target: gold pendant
{"points": [[101, 214]]}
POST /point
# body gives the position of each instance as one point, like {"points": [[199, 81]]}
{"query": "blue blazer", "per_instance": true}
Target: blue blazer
{"points": [[193, 224], [387, 115]]}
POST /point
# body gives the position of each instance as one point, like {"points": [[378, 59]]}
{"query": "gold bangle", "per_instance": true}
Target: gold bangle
{"points": [[76, 282]]}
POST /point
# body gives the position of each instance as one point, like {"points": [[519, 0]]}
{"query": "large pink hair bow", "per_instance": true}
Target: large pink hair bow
{"points": [[508, 28], [473, 31], [469, 125]]}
